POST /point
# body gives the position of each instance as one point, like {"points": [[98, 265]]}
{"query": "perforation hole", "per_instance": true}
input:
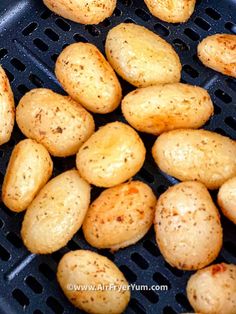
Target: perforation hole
{"points": [[161, 280], [28, 30], [150, 295], [136, 306], [191, 34], [54, 57], [190, 71], [202, 24], [22, 89], [168, 310], [161, 30], [62, 25], [217, 109], [34, 284], [213, 14], [183, 301], [57, 256], [223, 96], [175, 271], [20, 297], [14, 239], [139, 260], [46, 14], [80, 38], [231, 248], [231, 122], [178, 43], [147, 175], [9, 75], [51, 34], [92, 30], [231, 27], [221, 131], [47, 271], [37, 312], [3, 53], [4, 255], [117, 12], [41, 45], [18, 64], [55, 305], [35, 80], [151, 248], [161, 189], [129, 274], [142, 14], [231, 83], [72, 245]]}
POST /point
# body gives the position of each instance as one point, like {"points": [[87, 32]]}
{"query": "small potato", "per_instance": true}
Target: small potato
{"points": [[141, 57], [29, 169], [109, 290], [227, 199], [56, 213], [111, 155], [172, 11], [56, 121], [88, 78], [7, 108], [199, 155], [212, 290], [218, 52], [82, 11], [160, 108], [120, 216], [187, 226]]}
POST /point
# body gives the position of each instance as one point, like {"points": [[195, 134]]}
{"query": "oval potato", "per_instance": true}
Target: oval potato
{"points": [[56, 121], [227, 199], [213, 289], [29, 169], [141, 57], [56, 213], [164, 107], [80, 269], [111, 155], [199, 155], [88, 78], [218, 52], [120, 216], [187, 226]]}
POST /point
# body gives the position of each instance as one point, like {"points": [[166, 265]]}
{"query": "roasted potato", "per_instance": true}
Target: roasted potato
{"points": [[199, 155], [141, 57], [88, 78], [56, 213], [187, 226], [120, 216], [111, 155], [56, 121], [29, 169], [227, 199], [93, 283], [218, 52], [163, 107]]}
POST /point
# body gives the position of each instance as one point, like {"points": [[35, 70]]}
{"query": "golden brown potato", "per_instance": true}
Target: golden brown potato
{"points": [[111, 155], [29, 169], [56, 213], [187, 226], [82, 11], [88, 78], [199, 155], [227, 199], [218, 52], [212, 290], [163, 107], [93, 283], [7, 108], [141, 57], [120, 216], [56, 121]]}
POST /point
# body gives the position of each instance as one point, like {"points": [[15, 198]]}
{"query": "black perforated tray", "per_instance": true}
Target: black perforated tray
{"points": [[31, 37]]}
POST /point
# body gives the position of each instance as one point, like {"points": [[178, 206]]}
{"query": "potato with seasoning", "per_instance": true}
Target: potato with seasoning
{"points": [[88, 78], [109, 292], [187, 226], [227, 199], [120, 216], [56, 213], [56, 121], [29, 169], [141, 57]]}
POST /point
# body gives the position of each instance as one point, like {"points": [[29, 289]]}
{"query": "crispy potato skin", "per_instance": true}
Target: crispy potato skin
{"points": [[164, 107], [56, 121], [7, 108], [111, 155], [56, 213], [29, 169], [212, 290], [187, 226], [141, 57], [82, 11], [88, 78], [218, 52], [120, 216], [227, 199], [199, 155], [82, 268]]}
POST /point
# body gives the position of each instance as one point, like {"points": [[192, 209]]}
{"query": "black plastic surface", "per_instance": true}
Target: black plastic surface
{"points": [[31, 37]]}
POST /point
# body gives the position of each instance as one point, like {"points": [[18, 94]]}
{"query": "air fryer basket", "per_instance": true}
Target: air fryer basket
{"points": [[31, 37]]}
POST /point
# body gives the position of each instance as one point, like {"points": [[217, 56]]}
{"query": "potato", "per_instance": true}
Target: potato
{"points": [[160, 108], [218, 52], [120, 216], [7, 108], [29, 169], [172, 11], [187, 226], [111, 155], [56, 213], [212, 290], [227, 199], [56, 121], [88, 78], [82, 11], [141, 57], [199, 155], [93, 283]]}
